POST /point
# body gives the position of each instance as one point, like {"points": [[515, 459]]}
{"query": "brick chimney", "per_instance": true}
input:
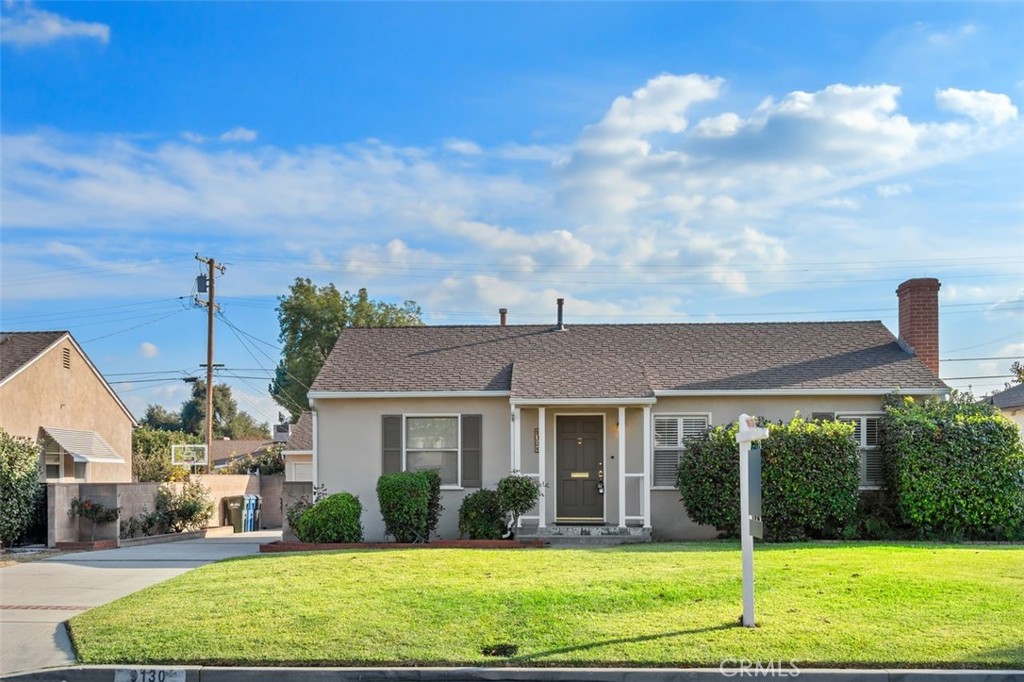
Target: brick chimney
{"points": [[503, 316], [919, 319]]}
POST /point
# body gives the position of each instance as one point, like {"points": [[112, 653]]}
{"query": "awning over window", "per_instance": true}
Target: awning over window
{"points": [[84, 446]]}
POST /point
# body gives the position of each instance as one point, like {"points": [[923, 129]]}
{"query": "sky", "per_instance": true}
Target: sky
{"points": [[648, 162]]}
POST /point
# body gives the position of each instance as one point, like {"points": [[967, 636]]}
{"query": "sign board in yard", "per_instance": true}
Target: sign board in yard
{"points": [[750, 468]]}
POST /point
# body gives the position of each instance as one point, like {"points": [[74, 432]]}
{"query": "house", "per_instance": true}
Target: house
{"points": [[51, 392], [1011, 403], [298, 450], [597, 413], [225, 451]]}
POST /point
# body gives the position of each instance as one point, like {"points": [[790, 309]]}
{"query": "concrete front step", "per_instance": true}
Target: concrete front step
{"points": [[585, 536]]}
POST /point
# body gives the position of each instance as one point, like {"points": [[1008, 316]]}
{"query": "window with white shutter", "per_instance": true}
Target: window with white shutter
{"points": [[670, 435], [865, 435]]}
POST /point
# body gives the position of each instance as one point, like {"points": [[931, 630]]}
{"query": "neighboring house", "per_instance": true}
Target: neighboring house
{"points": [[597, 413], [52, 393], [298, 450], [1011, 403], [225, 451]]}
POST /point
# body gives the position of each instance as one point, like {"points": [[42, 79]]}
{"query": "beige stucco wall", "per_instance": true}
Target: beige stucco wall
{"points": [[349, 450], [1016, 415], [349, 454], [289, 465], [46, 394]]}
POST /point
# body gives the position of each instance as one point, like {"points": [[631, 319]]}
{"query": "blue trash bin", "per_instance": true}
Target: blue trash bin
{"points": [[247, 518]]}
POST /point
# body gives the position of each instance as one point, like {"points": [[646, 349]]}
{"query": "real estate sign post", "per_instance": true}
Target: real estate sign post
{"points": [[750, 506]]}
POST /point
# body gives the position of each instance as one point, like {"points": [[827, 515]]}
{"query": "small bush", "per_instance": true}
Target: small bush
{"points": [[297, 508], [266, 462], [410, 503], [517, 495], [19, 485], [955, 467], [93, 511], [188, 510], [481, 516], [333, 519], [809, 479]]}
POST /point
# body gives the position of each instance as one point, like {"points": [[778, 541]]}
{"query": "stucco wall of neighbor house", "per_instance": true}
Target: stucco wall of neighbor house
{"points": [[1016, 415], [289, 465], [46, 394], [349, 452]]}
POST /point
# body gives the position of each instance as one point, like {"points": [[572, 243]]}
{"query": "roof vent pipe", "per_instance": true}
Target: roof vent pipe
{"points": [[561, 302], [503, 316]]}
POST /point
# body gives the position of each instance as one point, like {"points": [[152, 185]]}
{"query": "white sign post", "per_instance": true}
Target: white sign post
{"points": [[748, 433]]}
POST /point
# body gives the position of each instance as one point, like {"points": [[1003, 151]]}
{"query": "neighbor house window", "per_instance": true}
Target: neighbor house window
{"points": [[670, 435], [433, 443], [865, 435], [52, 460]]}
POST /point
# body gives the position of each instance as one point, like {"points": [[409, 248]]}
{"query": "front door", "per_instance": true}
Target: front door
{"points": [[580, 469]]}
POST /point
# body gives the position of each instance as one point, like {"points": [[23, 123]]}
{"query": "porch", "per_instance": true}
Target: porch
{"points": [[594, 462]]}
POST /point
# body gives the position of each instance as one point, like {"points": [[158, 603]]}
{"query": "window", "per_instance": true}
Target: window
{"points": [[865, 434], [80, 471], [433, 443], [450, 443], [52, 459], [670, 436]]}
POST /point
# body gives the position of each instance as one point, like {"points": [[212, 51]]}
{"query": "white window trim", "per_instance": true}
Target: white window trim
{"points": [[861, 446], [458, 440], [654, 440], [60, 463]]}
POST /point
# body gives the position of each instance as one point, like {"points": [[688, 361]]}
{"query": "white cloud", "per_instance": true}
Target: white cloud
{"points": [[238, 134], [194, 138], [987, 108], [27, 26], [841, 203], [464, 147], [148, 350], [893, 190], [718, 126]]}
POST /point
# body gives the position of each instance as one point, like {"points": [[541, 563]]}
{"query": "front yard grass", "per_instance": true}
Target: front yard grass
{"points": [[853, 605]]}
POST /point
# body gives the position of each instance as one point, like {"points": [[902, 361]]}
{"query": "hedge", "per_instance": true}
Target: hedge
{"points": [[19, 485], [954, 467], [410, 503], [335, 518], [481, 516], [809, 479]]}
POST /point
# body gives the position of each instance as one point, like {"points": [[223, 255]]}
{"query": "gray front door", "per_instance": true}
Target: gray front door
{"points": [[580, 468]]}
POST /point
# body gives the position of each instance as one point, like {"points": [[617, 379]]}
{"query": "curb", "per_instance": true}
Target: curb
{"points": [[783, 670]]}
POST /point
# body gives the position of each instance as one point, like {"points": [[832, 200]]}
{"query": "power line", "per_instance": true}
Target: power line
{"points": [[1001, 357], [128, 329]]}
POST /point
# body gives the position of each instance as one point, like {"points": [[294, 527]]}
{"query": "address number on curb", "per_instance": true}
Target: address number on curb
{"points": [[149, 675]]}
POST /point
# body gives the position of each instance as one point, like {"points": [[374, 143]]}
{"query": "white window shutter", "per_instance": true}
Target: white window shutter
{"points": [[666, 466], [666, 432]]}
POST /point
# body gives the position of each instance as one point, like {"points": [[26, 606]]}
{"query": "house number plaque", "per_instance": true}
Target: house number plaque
{"points": [[149, 675], [536, 440]]}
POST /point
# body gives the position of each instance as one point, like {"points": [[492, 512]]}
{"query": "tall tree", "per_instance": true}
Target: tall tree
{"points": [[1018, 372], [228, 421], [160, 418], [311, 319]]}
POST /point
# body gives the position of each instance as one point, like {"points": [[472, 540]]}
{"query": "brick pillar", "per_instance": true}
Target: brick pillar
{"points": [[919, 319]]}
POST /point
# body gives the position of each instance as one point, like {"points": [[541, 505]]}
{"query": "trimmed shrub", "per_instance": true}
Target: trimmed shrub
{"points": [[809, 479], [410, 503], [481, 516], [517, 495], [332, 519], [19, 485], [188, 510], [955, 467]]}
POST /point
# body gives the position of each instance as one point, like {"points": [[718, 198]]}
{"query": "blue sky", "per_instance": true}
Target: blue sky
{"points": [[647, 161]]}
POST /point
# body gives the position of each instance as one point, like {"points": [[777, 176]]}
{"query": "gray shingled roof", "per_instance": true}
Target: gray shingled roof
{"points": [[1011, 397], [619, 361], [301, 437], [223, 451], [17, 349]]}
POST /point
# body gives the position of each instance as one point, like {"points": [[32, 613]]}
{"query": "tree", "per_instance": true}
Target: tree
{"points": [[159, 417], [151, 454], [228, 421], [265, 462], [1018, 372], [19, 485], [311, 319]]}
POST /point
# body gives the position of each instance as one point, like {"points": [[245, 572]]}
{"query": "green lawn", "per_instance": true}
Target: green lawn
{"points": [[905, 605]]}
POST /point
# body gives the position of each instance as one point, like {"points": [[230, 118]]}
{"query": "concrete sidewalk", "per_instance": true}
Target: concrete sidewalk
{"points": [[37, 597]]}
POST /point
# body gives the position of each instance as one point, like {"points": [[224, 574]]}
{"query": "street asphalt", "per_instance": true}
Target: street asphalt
{"points": [[37, 597]]}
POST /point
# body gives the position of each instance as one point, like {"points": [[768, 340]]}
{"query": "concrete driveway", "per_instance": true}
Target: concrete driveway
{"points": [[37, 597]]}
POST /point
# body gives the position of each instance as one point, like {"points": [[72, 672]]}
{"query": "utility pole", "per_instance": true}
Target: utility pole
{"points": [[211, 307]]}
